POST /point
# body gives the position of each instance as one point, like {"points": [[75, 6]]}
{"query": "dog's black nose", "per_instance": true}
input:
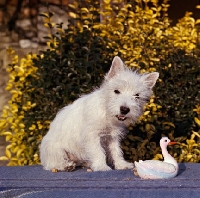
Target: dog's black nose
{"points": [[124, 110]]}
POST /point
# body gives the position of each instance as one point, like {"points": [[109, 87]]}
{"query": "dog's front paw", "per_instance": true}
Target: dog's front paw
{"points": [[101, 168], [123, 165]]}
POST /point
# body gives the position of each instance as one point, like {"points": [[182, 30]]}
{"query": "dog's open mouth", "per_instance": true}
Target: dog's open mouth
{"points": [[121, 117]]}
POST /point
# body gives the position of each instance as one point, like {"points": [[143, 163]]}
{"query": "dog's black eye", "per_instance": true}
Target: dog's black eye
{"points": [[137, 95], [117, 91]]}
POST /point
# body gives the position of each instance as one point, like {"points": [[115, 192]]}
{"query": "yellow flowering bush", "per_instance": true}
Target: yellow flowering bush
{"points": [[12, 123], [140, 33]]}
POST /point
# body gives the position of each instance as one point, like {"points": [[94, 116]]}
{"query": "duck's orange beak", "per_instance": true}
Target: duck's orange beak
{"points": [[172, 143]]}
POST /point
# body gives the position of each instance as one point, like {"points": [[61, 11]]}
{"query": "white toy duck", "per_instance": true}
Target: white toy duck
{"points": [[155, 169]]}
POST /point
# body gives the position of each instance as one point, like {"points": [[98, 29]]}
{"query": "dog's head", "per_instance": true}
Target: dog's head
{"points": [[127, 91]]}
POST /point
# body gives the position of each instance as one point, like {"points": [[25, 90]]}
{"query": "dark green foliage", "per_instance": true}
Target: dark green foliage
{"points": [[177, 92]]}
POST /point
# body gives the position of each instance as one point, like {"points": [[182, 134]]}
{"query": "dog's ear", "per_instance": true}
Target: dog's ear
{"points": [[116, 67], [150, 79]]}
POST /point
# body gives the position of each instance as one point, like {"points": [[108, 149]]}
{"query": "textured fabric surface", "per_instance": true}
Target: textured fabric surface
{"points": [[34, 182]]}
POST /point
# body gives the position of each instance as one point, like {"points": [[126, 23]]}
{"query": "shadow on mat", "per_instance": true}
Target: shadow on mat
{"points": [[182, 168]]}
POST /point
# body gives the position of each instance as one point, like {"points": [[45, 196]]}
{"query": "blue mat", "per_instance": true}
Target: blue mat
{"points": [[34, 182]]}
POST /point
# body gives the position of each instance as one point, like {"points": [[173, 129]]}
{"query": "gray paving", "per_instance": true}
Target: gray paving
{"points": [[34, 182]]}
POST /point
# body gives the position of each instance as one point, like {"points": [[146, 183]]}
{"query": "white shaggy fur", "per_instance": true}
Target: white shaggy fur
{"points": [[89, 130]]}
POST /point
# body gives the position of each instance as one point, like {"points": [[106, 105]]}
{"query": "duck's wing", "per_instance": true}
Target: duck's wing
{"points": [[156, 166]]}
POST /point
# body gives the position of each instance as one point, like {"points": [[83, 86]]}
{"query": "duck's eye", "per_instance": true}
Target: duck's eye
{"points": [[165, 140], [117, 91], [137, 95]]}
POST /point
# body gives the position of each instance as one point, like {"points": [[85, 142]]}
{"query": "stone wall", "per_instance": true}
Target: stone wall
{"points": [[22, 28], [4, 95], [21, 21]]}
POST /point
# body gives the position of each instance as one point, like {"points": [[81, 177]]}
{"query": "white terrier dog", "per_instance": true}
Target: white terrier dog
{"points": [[90, 130]]}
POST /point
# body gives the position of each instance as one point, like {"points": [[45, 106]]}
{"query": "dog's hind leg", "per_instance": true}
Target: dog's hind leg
{"points": [[54, 157]]}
